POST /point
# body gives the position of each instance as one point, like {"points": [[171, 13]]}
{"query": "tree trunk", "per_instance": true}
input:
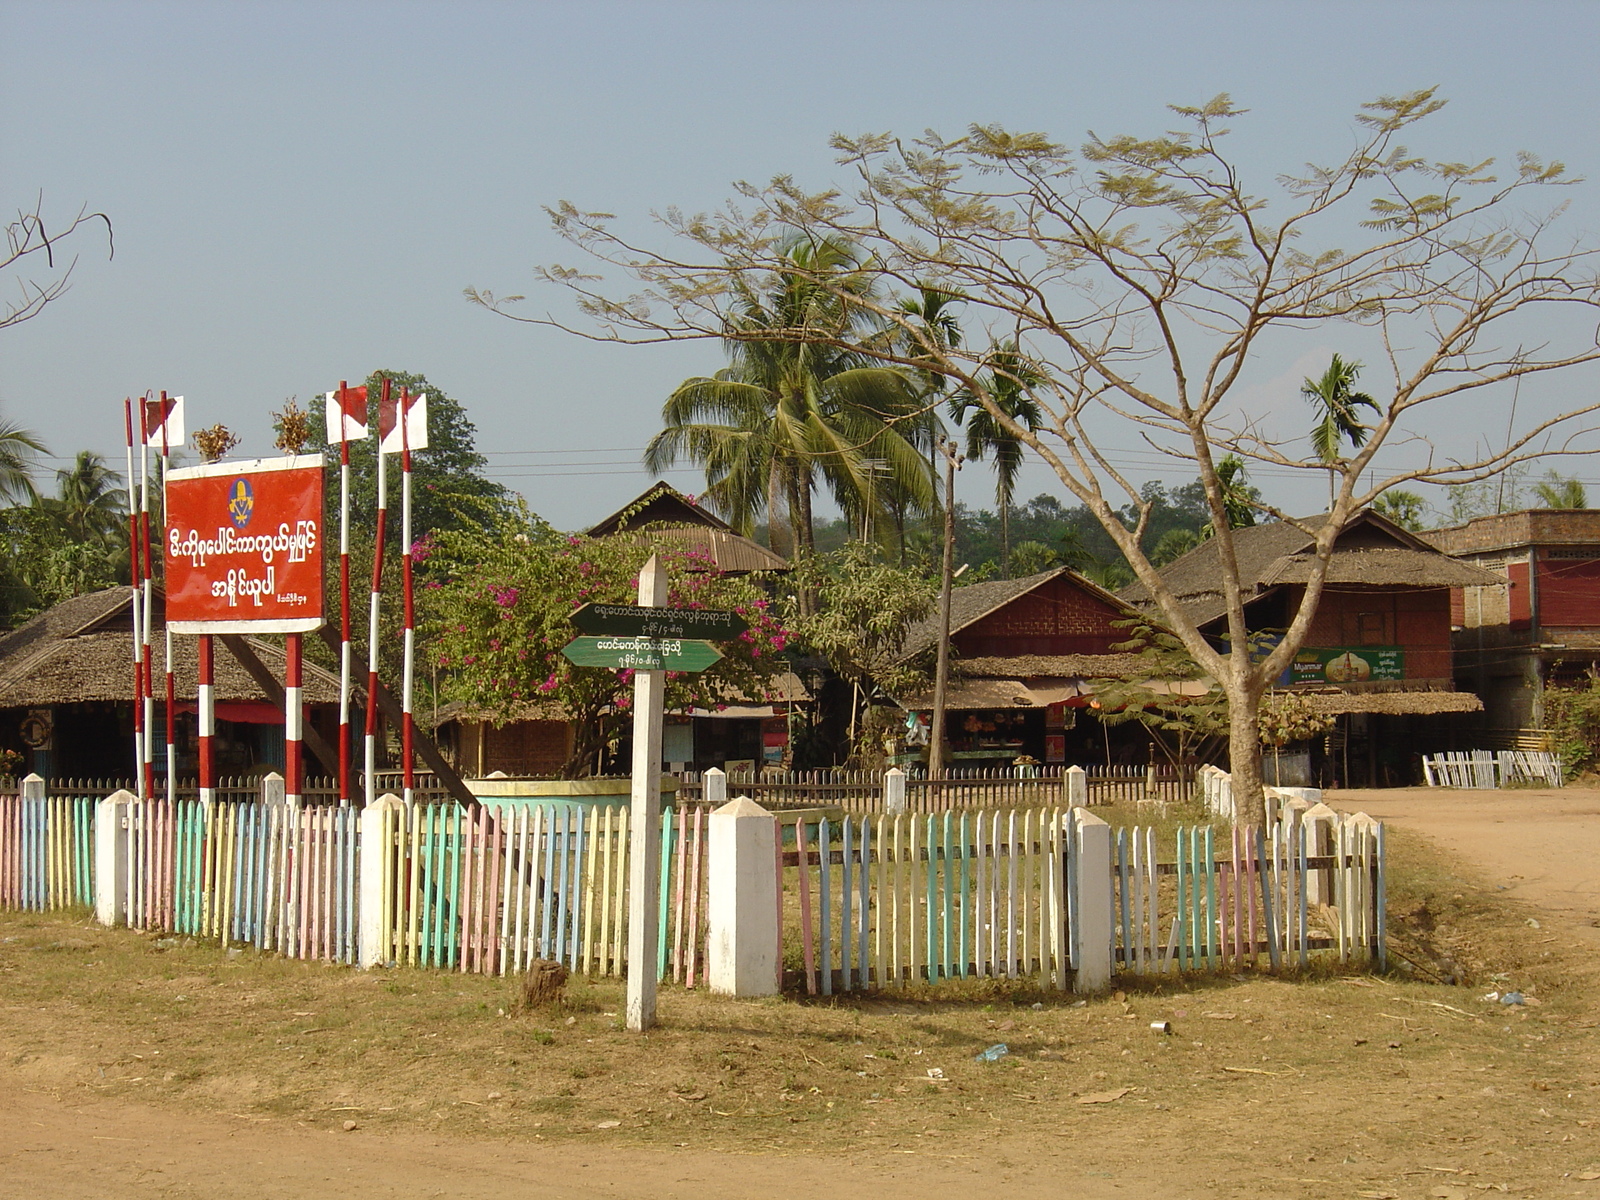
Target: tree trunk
{"points": [[1005, 539], [1244, 757]]}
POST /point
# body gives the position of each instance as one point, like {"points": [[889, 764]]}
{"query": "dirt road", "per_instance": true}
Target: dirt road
{"points": [[50, 1150], [1541, 846]]}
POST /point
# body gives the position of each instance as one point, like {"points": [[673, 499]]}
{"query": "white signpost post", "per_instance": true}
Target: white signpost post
{"points": [[644, 867]]}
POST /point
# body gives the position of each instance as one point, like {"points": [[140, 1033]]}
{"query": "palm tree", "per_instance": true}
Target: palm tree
{"points": [[1004, 387], [19, 454], [1238, 496], [786, 413], [1334, 395], [88, 503], [1556, 492]]}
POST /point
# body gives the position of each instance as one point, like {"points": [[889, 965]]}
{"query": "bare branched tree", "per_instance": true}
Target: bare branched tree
{"points": [[1142, 276], [36, 252]]}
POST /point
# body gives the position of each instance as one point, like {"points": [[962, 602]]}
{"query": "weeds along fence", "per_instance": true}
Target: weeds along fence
{"points": [[1247, 897], [872, 792]]}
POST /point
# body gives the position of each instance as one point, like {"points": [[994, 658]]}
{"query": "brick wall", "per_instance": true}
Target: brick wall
{"points": [[1416, 620]]}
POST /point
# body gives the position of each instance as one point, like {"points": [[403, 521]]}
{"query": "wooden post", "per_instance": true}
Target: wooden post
{"points": [[645, 853], [941, 675]]}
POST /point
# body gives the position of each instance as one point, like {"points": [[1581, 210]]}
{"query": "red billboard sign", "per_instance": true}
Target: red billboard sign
{"points": [[243, 546]]}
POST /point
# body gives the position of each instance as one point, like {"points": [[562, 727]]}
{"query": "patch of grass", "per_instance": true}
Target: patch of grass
{"points": [[1325, 1076]]}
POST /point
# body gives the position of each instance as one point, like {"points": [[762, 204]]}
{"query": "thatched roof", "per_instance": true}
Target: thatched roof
{"points": [[1033, 666], [1393, 703], [1407, 568], [665, 513], [970, 604], [1370, 550], [81, 650]]}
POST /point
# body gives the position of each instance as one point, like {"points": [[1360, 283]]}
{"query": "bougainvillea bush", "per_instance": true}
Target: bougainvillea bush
{"points": [[498, 604]]}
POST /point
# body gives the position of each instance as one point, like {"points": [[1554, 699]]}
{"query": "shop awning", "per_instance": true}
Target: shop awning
{"points": [[1393, 703]]}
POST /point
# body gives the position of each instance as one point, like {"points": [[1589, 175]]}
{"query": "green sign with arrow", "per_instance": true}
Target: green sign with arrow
{"points": [[634, 621], [641, 653]]}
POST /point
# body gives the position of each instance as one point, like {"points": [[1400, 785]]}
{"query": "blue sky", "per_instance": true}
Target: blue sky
{"points": [[302, 191]]}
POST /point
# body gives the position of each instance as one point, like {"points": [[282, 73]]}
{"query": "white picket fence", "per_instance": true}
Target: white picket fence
{"points": [[1491, 769]]}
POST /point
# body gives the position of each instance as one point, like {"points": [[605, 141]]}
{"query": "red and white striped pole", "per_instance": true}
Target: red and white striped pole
{"points": [[147, 687], [344, 596], [206, 703], [172, 703], [137, 598], [405, 577], [372, 621], [293, 721]]}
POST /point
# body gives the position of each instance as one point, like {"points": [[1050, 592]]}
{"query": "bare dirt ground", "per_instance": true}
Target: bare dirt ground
{"points": [[1540, 845], [133, 1067]]}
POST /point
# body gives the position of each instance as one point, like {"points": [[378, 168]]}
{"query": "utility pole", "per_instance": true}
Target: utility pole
{"points": [[941, 677]]}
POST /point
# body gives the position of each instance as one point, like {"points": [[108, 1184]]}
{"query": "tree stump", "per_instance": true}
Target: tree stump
{"points": [[543, 983]]}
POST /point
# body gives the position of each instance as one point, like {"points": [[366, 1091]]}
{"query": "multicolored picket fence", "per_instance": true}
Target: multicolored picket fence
{"points": [[492, 889], [885, 901], [46, 850], [863, 902], [1244, 897]]}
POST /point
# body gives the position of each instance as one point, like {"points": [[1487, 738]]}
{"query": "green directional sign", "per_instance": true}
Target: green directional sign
{"points": [[631, 621], [641, 654]]}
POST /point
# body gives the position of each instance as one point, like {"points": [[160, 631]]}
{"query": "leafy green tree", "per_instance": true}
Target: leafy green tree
{"points": [[788, 410], [498, 602], [1030, 558], [1558, 492], [1405, 509], [1173, 544]]}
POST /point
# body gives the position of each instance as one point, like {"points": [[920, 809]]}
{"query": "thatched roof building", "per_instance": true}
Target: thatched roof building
{"points": [[670, 515], [66, 692]]}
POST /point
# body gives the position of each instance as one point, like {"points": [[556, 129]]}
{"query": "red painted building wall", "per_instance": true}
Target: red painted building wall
{"points": [[1416, 620], [1057, 618]]}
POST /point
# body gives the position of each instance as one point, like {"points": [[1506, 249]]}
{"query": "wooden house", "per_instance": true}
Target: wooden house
{"points": [[1022, 654], [66, 695], [1379, 655]]}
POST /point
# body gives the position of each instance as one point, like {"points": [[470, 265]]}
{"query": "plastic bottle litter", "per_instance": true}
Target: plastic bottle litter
{"points": [[994, 1053], [1511, 998]]}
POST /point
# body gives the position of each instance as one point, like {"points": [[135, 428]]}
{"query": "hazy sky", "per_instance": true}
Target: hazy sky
{"points": [[301, 191]]}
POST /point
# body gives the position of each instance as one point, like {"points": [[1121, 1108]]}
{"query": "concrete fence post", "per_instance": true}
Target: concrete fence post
{"points": [[1319, 821], [111, 858], [894, 791], [1077, 787], [1093, 928], [714, 788], [374, 919], [742, 921], [272, 788]]}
